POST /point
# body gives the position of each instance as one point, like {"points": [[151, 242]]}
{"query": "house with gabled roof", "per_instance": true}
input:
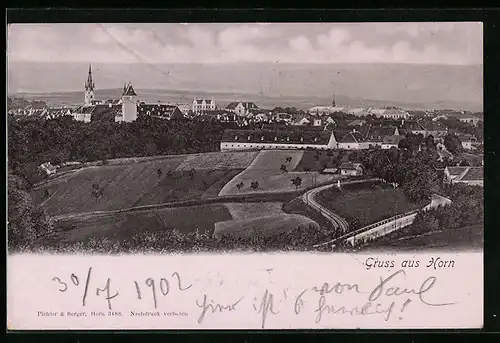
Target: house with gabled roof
{"points": [[241, 108], [392, 141], [472, 176], [351, 169], [352, 141], [163, 111], [376, 133], [357, 122]]}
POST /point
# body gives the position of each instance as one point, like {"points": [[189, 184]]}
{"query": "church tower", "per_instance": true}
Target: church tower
{"points": [[89, 88], [333, 101], [129, 103]]}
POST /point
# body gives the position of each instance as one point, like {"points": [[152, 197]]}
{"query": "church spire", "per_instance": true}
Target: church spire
{"points": [[89, 84]]}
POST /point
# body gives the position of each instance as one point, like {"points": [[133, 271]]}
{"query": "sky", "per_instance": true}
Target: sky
{"points": [[411, 43]]}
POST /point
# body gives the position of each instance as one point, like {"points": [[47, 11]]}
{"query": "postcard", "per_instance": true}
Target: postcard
{"points": [[257, 176]]}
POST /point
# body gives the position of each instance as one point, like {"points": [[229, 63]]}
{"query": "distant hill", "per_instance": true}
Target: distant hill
{"points": [[299, 85]]}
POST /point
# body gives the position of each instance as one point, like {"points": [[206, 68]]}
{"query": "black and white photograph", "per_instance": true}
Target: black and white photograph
{"points": [[245, 137]]}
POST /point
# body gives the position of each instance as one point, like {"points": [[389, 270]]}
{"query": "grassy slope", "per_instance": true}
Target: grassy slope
{"points": [[121, 227], [265, 169], [368, 205], [135, 184]]}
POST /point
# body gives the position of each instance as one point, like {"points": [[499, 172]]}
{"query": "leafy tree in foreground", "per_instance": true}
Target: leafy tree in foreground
{"points": [[26, 221], [254, 185], [297, 182]]}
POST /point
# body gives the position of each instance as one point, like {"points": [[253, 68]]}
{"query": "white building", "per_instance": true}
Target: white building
{"points": [[281, 139], [351, 169], [129, 105], [202, 105]]}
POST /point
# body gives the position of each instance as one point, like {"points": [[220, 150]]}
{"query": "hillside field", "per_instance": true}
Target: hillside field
{"points": [[123, 226], [265, 169], [262, 217], [136, 184]]}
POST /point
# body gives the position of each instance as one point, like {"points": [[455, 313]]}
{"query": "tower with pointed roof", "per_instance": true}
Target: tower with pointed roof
{"points": [[89, 88], [129, 103]]}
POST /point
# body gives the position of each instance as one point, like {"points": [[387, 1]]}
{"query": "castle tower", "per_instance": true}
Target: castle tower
{"points": [[89, 88], [129, 103]]}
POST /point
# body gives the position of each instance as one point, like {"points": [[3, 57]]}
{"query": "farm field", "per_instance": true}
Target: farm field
{"points": [[134, 184], [123, 226], [262, 217], [367, 205], [218, 160], [265, 169]]}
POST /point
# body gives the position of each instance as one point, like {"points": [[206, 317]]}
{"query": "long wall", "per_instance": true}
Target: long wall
{"points": [[392, 224]]}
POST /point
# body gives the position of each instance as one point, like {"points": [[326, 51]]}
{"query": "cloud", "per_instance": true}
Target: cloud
{"points": [[431, 43]]}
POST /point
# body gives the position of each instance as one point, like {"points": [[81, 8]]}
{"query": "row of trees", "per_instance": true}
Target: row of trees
{"points": [[32, 142], [412, 170]]}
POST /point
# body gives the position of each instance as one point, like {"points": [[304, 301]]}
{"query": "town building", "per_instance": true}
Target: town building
{"points": [[470, 120], [468, 141], [392, 141], [83, 113], [48, 168], [351, 169], [282, 138], [357, 122], [376, 133], [89, 89], [203, 105], [389, 113], [129, 104], [241, 108], [472, 176], [353, 141], [162, 111]]}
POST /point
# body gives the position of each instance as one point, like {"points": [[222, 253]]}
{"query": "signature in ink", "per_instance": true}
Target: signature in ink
{"points": [[207, 306], [266, 306]]}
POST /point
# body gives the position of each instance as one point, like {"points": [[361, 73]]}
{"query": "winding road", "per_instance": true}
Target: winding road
{"points": [[309, 198], [337, 221]]}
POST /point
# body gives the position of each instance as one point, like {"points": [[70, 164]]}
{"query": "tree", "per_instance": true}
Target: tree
{"points": [[97, 192], [240, 186], [297, 181], [46, 194], [452, 143], [283, 168], [191, 173], [330, 155], [254, 185], [159, 172], [288, 159], [26, 221]]}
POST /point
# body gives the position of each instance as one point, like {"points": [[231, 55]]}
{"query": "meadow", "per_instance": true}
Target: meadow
{"points": [[266, 218], [265, 169], [122, 227], [367, 204], [132, 184]]}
